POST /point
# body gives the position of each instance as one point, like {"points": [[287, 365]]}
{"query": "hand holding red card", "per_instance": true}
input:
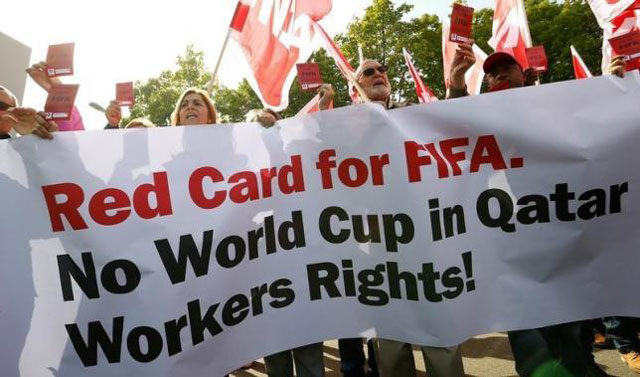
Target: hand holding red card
{"points": [[60, 60], [628, 45], [461, 23], [309, 76], [60, 102], [537, 58], [124, 94]]}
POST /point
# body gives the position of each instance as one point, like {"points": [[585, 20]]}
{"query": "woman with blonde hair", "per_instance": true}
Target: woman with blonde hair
{"points": [[194, 107]]}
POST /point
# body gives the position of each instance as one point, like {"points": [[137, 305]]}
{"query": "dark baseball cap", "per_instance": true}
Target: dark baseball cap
{"points": [[498, 58]]}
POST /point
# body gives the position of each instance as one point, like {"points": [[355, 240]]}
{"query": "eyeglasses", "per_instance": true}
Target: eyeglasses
{"points": [[4, 106], [370, 71]]}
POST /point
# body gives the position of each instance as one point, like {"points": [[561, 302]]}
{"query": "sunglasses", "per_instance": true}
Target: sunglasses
{"points": [[370, 71], [4, 106]]}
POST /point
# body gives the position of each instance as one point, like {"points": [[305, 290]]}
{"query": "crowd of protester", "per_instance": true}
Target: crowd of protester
{"points": [[558, 350]]}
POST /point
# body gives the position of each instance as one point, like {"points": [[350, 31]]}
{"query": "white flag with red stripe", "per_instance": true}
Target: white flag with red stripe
{"points": [[425, 95], [627, 22], [274, 35], [511, 30], [313, 106], [474, 76], [606, 10], [580, 69], [343, 64]]}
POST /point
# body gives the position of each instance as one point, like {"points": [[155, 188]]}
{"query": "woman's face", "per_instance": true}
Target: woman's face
{"points": [[193, 110]]}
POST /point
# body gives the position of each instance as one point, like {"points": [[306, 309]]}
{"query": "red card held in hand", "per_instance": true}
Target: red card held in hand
{"points": [[60, 102], [309, 76], [124, 94], [60, 60], [628, 45], [537, 58], [461, 23]]}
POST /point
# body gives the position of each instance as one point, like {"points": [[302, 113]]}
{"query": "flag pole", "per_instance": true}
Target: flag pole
{"points": [[354, 82], [214, 75]]}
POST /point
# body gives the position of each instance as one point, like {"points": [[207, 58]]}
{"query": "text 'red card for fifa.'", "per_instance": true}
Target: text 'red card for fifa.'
{"points": [[60, 60], [309, 76], [537, 58], [124, 94], [628, 45], [461, 23], [60, 102]]}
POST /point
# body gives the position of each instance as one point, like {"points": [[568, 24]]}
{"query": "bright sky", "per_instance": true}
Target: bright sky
{"points": [[119, 40]]}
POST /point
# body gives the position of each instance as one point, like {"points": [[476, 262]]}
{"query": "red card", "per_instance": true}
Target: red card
{"points": [[461, 23], [60, 102], [628, 45], [124, 94], [309, 76], [537, 58], [60, 60]]}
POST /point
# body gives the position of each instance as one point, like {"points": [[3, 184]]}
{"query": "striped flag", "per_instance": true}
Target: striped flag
{"points": [[511, 30], [312, 106], [343, 64], [273, 36], [425, 95], [580, 70]]}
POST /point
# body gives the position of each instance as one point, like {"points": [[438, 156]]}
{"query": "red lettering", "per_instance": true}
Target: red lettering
{"points": [[361, 170], [446, 147], [493, 154], [246, 181], [160, 188], [295, 172], [414, 160], [443, 169], [325, 164], [267, 176], [197, 191], [377, 163], [68, 208], [99, 205]]}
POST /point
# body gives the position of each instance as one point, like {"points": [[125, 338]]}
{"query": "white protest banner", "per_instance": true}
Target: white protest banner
{"points": [[189, 251]]}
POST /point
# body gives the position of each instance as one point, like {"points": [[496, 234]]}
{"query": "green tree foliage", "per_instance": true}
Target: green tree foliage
{"points": [[234, 104], [383, 30], [156, 98]]}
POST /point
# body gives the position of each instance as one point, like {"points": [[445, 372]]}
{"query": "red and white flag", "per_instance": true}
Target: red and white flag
{"points": [[628, 21], [474, 76], [312, 106], [343, 64], [580, 69], [425, 95], [275, 35], [606, 10], [511, 30]]}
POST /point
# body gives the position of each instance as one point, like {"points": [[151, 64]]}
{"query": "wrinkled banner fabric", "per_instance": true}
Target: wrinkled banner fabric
{"points": [[190, 251]]}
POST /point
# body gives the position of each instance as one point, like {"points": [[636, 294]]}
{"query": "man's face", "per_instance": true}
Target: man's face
{"points": [[374, 81], [506, 74]]}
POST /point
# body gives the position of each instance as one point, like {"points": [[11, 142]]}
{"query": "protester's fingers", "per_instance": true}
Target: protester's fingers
{"points": [[49, 125], [8, 117], [618, 71], [42, 132], [23, 112]]}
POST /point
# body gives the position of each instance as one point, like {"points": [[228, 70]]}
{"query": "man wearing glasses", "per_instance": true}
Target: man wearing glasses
{"points": [[396, 358], [372, 78]]}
